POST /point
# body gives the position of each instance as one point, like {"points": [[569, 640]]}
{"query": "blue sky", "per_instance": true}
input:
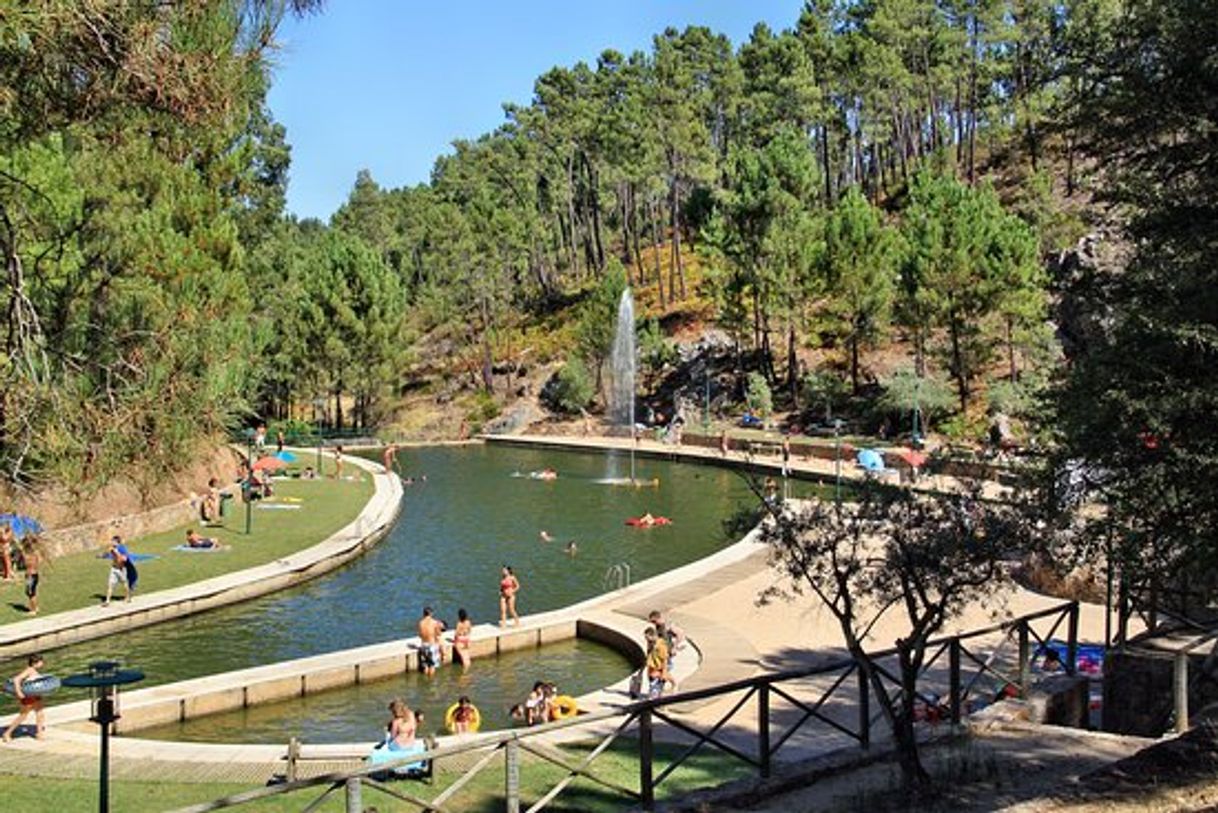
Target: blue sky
{"points": [[387, 85]]}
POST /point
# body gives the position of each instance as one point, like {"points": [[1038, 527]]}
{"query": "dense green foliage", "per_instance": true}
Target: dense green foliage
{"points": [[134, 158], [1136, 412]]}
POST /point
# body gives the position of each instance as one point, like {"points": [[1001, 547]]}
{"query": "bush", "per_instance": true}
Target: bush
{"points": [[825, 390], [485, 408], [571, 389], [933, 397], [655, 350], [757, 395]]}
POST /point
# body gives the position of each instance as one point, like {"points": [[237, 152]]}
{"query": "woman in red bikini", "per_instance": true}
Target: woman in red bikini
{"points": [[509, 585]]}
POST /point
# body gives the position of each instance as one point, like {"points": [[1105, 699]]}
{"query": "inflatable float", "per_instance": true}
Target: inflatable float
{"points": [[34, 687], [646, 521], [563, 707], [450, 722]]}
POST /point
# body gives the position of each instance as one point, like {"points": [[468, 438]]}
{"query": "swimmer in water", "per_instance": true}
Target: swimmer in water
{"points": [[544, 536], [571, 549]]}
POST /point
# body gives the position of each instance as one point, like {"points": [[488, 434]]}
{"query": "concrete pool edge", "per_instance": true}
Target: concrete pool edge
{"points": [[369, 527]]}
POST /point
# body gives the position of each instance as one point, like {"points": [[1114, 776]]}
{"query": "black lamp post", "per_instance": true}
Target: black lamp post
{"points": [[247, 489], [837, 460], [102, 680]]}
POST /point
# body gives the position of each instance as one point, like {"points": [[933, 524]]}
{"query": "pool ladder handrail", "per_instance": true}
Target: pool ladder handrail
{"points": [[617, 577]]}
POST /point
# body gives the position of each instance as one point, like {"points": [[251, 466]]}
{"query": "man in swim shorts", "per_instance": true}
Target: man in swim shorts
{"points": [[429, 642], [31, 553]]}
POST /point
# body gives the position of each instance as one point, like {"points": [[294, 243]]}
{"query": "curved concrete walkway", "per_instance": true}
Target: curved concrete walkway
{"points": [[814, 468], [368, 528]]}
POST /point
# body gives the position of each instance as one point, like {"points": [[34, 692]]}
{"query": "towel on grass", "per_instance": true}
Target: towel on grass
{"points": [[188, 549]]}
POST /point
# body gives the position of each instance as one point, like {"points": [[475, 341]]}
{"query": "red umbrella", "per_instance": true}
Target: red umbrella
{"points": [[269, 463], [913, 457]]}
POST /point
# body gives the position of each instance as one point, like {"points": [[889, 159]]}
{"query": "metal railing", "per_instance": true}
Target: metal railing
{"points": [[616, 577], [787, 705]]}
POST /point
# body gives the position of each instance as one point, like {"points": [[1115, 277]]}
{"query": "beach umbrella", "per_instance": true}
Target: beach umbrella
{"points": [[870, 459], [269, 463], [913, 457], [286, 457], [21, 524]]}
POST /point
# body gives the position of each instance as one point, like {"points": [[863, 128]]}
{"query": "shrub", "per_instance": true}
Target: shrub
{"points": [[933, 397], [757, 395], [571, 389]]}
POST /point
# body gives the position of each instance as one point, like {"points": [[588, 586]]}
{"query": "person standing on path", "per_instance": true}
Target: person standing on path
{"points": [[122, 570], [430, 653], [786, 455], [389, 457], [33, 559], [28, 702], [6, 557], [279, 439], [338, 462], [509, 586]]}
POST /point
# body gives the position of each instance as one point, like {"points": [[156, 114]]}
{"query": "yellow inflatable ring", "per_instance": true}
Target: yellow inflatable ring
{"points": [[564, 706], [451, 725]]}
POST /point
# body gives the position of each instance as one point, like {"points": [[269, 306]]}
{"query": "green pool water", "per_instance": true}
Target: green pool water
{"points": [[474, 513], [359, 713]]}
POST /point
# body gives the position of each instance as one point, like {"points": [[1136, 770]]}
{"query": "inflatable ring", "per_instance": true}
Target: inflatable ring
{"points": [[564, 706], [34, 687], [451, 724]]}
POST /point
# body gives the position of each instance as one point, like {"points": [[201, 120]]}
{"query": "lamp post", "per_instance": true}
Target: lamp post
{"points": [[102, 680], [837, 460], [247, 489], [706, 403]]}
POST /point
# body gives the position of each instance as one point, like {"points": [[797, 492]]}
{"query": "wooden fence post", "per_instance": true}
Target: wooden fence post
{"points": [[763, 728], [354, 803], [1180, 686], [1025, 659], [1072, 640], [864, 710], [293, 756], [646, 755], [953, 659], [511, 775]]}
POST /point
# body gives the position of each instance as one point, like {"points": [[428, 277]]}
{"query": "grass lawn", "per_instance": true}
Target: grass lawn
{"points": [[483, 795], [325, 505]]}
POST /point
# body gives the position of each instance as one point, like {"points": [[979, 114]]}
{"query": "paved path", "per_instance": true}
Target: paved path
{"points": [[769, 464]]}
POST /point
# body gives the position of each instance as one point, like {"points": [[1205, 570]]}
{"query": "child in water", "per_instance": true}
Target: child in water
{"points": [[463, 715]]}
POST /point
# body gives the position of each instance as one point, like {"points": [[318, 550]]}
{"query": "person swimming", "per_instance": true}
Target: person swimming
{"points": [[544, 536], [571, 548]]}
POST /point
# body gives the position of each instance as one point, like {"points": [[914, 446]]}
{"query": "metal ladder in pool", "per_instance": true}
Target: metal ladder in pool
{"points": [[617, 577]]}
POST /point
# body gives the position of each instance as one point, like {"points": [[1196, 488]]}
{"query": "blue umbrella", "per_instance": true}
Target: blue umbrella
{"points": [[870, 460], [21, 524], [286, 457]]}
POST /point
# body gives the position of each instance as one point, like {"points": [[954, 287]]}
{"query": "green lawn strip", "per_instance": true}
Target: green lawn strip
{"points": [[326, 505], [484, 794]]}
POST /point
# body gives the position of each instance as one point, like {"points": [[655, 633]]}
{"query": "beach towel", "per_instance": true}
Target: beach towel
{"points": [[188, 549]]}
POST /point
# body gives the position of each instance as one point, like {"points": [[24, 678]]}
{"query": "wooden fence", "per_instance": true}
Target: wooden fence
{"points": [[786, 704]]}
